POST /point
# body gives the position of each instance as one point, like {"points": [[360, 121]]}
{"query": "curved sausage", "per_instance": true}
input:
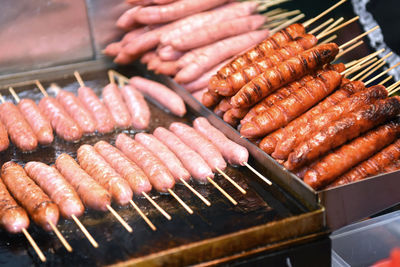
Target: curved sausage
{"points": [[135, 176], [235, 154], [159, 176], [21, 133], [37, 120], [192, 161], [13, 218], [61, 122], [163, 153], [93, 195], [97, 167], [199, 94], [4, 142], [137, 106], [59, 190], [199, 144], [103, 118], [112, 98], [39, 206]]}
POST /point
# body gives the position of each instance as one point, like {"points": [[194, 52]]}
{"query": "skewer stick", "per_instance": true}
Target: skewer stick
{"points": [[390, 88], [262, 177], [274, 12], [287, 23], [312, 20], [120, 76], [394, 91], [349, 49], [34, 245], [386, 80], [184, 205], [370, 67], [352, 63], [355, 39], [321, 35], [231, 181], [329, 39], [362, 66], [163, 212], [354, 68], [362, 61], [79, 79], [60, 236], [119, 218], [14, 94], [321, 26], [274, 24], [380, 65], [222, 191], [285, 14], [381, 74], [85, 231], [143, 215], [41, 88], [2, 99], [111, 77], [195, 192], [334, 24]]}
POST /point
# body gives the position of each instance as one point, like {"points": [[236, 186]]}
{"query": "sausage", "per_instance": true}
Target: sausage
{"points": [[223, 106], [147, 57], [55, 186], [284, 73], [168, 53], [198, 94], [113, 100], [21, 134], [154, 63], [162, 94], [159, 176], [394, 166], [149, 2], [97, 167], [232, 83], [135, 176], [112, 49], [210, 99], [349, 155], [234, 153], [301, 132], [199, 144], [344, 129], [37, 120], [61, 122], [294, 105], [169, 68], [101, 115], [92, 194], [165, 155], [137, 106], [174, 10], [218, 31], [233, 115], [217, 52], [372, 166], [77, 111], [127, 20], [4, 142], [192, 161], [38, 205], [13, 218]]}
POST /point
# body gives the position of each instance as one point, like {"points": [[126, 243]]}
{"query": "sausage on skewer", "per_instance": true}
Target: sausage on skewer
{"points": [[115, 103], [138, 108], [4, 142]]}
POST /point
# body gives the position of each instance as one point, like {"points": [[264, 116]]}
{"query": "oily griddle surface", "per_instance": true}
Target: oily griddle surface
{"points": [[261, 204]]}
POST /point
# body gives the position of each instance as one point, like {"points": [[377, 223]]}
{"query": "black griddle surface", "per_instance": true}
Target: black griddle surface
{"points": [[261, 204]]}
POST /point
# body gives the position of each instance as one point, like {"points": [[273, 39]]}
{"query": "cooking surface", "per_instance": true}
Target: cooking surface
{"points": [[261, 204]]}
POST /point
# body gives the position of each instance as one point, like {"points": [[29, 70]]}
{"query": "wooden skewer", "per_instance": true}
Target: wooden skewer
{"points": [[355, 67], [120, 76], [231, 181], [364, 59], [60, 236], [370, 67], [362, 66], [355, 39], [329, 21], [85, 231], [312, 20], [163, 212], [390, 88], [41, 88], [34, 245], [111, 77], [380, 65], [14, 94], [352, 63], [195, 192], [275, 11], [394, 91], [381, 74], [119, 218], [349, 49], [386, 80], [287, 23], [274, 24], [319, 36], [262, 177], [334, 24], [222, 191], [79, 79], [285, 14], [2, 99], [329, 39], [183, 204], [143, 215]]}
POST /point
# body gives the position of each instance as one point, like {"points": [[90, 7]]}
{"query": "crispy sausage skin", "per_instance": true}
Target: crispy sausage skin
{"points": [[40, 125], [235, 154], [135, 176], [112, 98], [13, 218], [137, 105], [54, 185], [39, 206], [159, 176], [192, 161], [93, 195], [163, 153], [4, 142], [61, 122], [199, 144], [97, 167], [20, 131]]}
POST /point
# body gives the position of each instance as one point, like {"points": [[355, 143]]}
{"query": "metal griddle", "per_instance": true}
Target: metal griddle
{"points": [[266, 218]]}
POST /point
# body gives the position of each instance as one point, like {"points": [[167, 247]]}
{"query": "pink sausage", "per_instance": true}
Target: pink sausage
{"points": [[168, 53], [4, 142], [167, 68], [192, 161], [138, 108], [112, 98], [127, 20], [112, 49], [199, 94]]}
